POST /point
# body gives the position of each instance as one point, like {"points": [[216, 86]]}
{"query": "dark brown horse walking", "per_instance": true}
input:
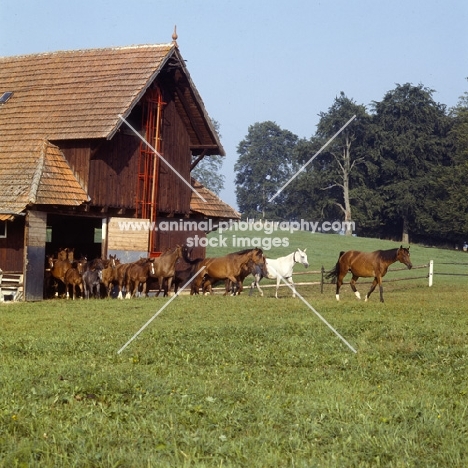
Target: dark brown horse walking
{"points": [[137, 274], [367, 264], [228, 267]]}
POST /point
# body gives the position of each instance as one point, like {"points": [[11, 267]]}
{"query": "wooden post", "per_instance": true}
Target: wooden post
{"points": [[431, 272]]}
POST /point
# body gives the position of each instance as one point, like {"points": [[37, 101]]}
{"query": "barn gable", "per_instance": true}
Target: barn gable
{"points": [[74, 157], [83, 95]]}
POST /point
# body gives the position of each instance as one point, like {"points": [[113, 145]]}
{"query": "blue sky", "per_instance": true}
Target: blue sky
{"points": [[259, 60]]}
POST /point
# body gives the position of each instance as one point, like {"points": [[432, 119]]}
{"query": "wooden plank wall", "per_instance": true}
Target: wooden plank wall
{"points": [[173, 194], [36, 232], [127, 239], [12, 247], [113, 172], [77, 153]]}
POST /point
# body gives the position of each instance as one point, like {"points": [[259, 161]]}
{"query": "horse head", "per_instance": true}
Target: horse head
{"points": [[403, 256], [263, 268], [81, 265], [97, 264], [62, 254], [186, 253], [300, 256], [112, 261], [178, 252], [71, 255], [50, 262], [257, 256], [151, 266]]}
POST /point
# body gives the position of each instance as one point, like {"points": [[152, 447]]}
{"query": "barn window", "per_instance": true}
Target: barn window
{"points": [[97, 235], [5, 96], [49, 234], [3, 230]]}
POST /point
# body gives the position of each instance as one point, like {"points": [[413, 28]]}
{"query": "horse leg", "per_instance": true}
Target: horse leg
{"points": [[339, 282], [206, 287], [257, 282], [374, 284], [196, 283], [278, 280], [128, 295], [232, 285], [293, 287], [143, 289], [169, 286], [352, 283], [381, 290], [229, 288]]}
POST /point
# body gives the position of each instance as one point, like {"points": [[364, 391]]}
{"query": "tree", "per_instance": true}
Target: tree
{"points": [[323, 189], [410, 135], [206, 170], [446, 218], [207, 173], [263, 167]]}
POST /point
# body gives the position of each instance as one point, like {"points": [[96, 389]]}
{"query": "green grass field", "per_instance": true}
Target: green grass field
{"points": [[243, 381]]}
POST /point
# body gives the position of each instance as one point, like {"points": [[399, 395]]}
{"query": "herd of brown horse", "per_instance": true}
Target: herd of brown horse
{"points": [[66, 276], [175, 267]]}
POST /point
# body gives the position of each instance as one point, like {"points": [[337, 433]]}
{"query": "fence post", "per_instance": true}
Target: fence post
{"points": [[431, 272]]}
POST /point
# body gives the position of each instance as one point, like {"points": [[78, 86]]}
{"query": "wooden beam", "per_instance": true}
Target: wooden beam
{"points": [[199, 158]]}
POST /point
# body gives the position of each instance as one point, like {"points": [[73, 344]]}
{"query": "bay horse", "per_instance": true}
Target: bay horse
{"points": [[165, 268], [257, 271], [282, 268], [120, 277], [367, 265], [183, 274], [137, 274], [109, 273], [228, 267], [74, 278], [59, 266]]}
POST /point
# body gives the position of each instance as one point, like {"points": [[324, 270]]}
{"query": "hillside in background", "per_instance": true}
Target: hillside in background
{"points": [[323, 250]]}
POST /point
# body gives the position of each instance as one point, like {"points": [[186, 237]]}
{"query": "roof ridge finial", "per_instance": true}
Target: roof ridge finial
{"points": [[174, 36]]}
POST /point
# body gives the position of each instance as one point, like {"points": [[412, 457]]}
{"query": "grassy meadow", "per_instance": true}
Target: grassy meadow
{"points": [[244, 381]]}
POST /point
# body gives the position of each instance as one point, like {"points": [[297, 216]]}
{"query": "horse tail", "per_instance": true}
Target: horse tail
{"points": [[333, 273]]}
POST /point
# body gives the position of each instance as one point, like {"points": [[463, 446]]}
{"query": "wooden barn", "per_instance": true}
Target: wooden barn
{"points": [[96, 150]]}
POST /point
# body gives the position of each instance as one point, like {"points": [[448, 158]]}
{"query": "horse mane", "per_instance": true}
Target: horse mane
{"points": [[388, 255], [246, 251]]}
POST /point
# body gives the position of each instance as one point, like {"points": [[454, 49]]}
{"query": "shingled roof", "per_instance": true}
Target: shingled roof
{"points": [[81, 94], [214, 206]]}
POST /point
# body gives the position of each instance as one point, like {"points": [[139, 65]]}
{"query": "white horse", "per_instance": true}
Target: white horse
{"points": [[282, 268]]}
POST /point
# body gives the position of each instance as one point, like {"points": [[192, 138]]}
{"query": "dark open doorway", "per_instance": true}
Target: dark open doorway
{"points": [[83, 234]]}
